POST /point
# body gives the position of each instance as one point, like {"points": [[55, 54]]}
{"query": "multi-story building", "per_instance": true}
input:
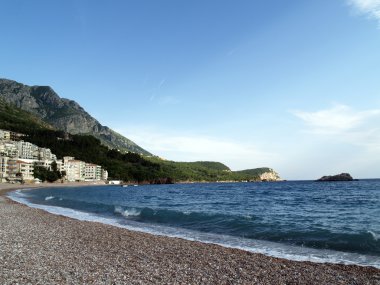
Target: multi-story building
{"points": [[75, 169], [60, 166], [45, 154], [27, 150], [93, 172], [66, 159], [104, 174], [18, 158], [16, 136], [5, 135], [44, 163], [10, 136], [12, 168], [3, 168], [21, 169], [26, 168], [9, 149]]}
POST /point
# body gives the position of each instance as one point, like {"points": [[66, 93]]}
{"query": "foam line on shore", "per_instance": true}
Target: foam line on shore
{"points": [[273, 249]]}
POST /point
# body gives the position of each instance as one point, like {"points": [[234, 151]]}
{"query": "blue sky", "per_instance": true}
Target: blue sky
{"points": [[293, 85]]}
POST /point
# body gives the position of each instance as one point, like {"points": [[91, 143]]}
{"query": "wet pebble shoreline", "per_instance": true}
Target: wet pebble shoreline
{"points": [[40, 248]]}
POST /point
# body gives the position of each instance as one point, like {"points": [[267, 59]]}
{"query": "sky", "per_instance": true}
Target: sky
{"points": [[292, 85]]}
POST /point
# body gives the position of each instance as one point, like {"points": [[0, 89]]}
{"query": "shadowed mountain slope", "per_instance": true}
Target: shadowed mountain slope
{"points": [[63, 114]]}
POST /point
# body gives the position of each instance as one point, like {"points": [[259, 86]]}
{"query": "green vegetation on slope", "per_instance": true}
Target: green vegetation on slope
{"points": [[195, 171], [17, 120], [253, 172], [207, 171]]}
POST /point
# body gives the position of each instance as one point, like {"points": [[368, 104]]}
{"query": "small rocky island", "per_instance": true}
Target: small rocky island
{"points": [[338, 177]]}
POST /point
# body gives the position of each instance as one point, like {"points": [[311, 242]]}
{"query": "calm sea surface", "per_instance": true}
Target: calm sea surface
{"points": [[302, 220]]}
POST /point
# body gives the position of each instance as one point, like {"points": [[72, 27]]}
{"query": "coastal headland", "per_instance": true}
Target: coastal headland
{"points": [[41, 248]]}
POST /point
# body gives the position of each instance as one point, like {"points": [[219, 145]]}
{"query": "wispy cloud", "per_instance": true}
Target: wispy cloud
{"points": [[369, 7], [193, 147], [162, 82], [154, 91], [337, 119], [345, 124], [162, 99]]}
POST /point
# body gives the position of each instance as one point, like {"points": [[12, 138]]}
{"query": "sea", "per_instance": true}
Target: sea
{"points": [[336, 222]]}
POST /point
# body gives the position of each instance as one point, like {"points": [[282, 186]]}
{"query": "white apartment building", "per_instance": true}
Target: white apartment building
{"points": [[75, 169], [45, 154], [18, 158], [44, 163], [5, 135], [3, 168], [10, 136], [27, 150], [21, 168], [66, 159], [9, 149], [104, 174], [93, 172], [60, 166]]}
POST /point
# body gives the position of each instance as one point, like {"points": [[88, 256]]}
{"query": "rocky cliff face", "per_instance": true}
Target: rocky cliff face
{"points": [[63, 114], [270, 175]]}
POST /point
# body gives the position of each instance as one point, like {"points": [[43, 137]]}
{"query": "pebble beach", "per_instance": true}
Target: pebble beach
{"points": [[40, 248]]}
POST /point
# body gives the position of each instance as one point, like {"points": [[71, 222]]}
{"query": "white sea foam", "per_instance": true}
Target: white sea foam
{"points": [[127, 212], [375, 236], [49, 198], [265, 247]]}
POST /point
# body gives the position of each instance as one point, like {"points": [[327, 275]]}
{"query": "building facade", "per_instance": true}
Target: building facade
{"points": [[93, 172], [18, 159], [20, 169], [75, 170], [3, 168]]}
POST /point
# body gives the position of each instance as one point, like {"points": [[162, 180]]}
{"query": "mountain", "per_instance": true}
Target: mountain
{"points": [[63, 114], [15, 119], [42, 120], [130, 167]]}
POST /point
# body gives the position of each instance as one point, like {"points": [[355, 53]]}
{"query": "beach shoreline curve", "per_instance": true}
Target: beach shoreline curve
{"points": [[37, 246]]}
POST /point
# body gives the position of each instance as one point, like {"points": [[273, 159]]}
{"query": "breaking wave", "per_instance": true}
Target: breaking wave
{"points": [[257, 222]]}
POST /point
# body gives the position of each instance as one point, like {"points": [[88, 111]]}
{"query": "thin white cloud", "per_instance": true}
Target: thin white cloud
{"points": [[338, 119], [162, 99], [369, 7], [162, 82], [190, 147], [345, 124]]}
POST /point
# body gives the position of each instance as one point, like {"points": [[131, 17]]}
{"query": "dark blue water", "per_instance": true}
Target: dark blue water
{"points": [[338, 216]]}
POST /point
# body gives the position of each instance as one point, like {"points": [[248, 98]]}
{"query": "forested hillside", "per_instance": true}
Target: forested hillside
{"points": [[128, 166]]}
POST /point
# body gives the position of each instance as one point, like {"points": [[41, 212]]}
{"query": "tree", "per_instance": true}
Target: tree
{"points": [[45, 174]]}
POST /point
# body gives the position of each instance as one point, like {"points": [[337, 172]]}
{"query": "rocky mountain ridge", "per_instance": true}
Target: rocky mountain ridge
{"points": [[63, 114]]}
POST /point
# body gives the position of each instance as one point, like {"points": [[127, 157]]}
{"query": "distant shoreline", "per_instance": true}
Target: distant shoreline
{"points": [[6, 187]]}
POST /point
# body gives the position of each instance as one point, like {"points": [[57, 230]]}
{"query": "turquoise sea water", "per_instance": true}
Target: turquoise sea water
{"points": [[302, 220]]}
